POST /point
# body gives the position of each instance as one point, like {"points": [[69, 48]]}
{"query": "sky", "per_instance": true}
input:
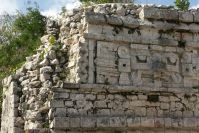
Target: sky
{"points": [[52, 7]]}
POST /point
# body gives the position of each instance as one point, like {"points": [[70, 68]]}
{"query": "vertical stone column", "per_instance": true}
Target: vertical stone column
{"points": [[91, 47], [10, 120]]}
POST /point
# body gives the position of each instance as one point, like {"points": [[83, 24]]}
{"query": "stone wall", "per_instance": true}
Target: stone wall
{"points": [[118, 68], [89, 107]]}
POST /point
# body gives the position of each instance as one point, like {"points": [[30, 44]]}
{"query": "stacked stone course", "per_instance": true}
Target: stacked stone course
{"points": [[114, 68]]}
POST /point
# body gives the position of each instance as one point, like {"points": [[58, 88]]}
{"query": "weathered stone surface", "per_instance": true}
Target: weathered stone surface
{"points": [[95, 18], [113, 68], [155, 13], [186, 16]]}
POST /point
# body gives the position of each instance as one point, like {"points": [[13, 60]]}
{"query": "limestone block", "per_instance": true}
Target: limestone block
{"points": [[196, 16], [100, 104], [60, 112], [90, 97], [149, 35], [139, 46], [69, 103], [151, 112], [147, 122], [117, 122], [88, 122], [178, 114], [55, 62], [195, 60], [159, 122], [187, 113], [164, 105], [170, 49], [136, 78], [35, 83], [107, 79], [103, 122], [140, 62], [57, 103], [25, 82], [156, 47], [186, 57], [81, 103], [123, 52], [172, 62], [140, 111], [124, 65], [130, 22], [51, 54], [104, 112], [97, 29], [176, 77], [106, 50], [72, 111], [171, 131], [16, 130], [114, 20], [193, 27], [120, 10], [44, 77], [91, 46], [13, 88], [164, 99], [46, 69], [187, 36], [179, 105], [142, 97], [167, 122], [74, 96], [75, 122], [133, 122], [155, 13], [124, 79], [101, 97], [185, 16], [95, 18], [60, 123], [190, 122], [187, 69], [174, 99], [105, 63]]}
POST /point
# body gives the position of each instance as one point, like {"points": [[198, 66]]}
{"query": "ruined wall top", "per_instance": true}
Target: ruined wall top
{"points": [[141, 45]]}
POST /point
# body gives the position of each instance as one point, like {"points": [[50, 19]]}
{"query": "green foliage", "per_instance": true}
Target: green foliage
{"points": [[52, 40], [30, 25], [183, 5], [23, 35]]}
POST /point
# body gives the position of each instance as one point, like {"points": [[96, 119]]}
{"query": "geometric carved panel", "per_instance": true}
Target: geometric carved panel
{"points": [[146, 65]]}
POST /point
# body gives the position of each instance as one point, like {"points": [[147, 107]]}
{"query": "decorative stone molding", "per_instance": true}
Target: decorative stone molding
{"points": [[114, 68]]}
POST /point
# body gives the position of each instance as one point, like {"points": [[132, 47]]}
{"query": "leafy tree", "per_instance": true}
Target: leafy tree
{"points": [[182, 4], [24, 37], [32, 24]]}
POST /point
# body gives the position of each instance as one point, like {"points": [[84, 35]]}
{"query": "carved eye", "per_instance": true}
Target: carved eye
{"points": [[123, 52]]}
